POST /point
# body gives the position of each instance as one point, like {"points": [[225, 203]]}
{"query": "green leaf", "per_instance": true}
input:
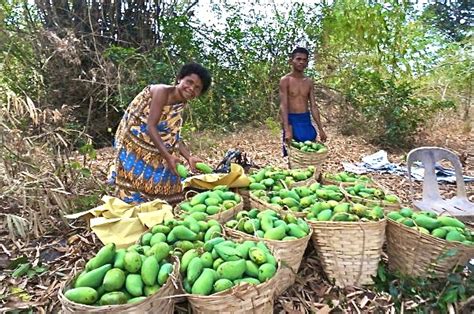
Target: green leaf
{"points": [[381, 273], [16, 262], [75, 165], [450, 296], [85, 172], [40, 269]]}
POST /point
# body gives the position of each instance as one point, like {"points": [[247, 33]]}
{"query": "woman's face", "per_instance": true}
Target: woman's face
{"points": [[190, 86]]}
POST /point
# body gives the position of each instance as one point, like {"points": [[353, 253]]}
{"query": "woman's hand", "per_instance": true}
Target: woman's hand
{"points": [[192, 163], [172, 161]]}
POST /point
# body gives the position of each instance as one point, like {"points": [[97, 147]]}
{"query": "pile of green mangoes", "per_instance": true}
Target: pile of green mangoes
{"points": [[190, 231], [211, 202], [443, 227], [122, 276], [184, 173], [271, 178], [127, 276], [346, 177], [268, 224], [370, 193], [222, 264], [308, 146], [299, 198], [334, 211]]}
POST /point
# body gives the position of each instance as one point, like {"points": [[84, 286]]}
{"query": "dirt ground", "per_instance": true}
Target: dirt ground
{"points": [[68, 244]]}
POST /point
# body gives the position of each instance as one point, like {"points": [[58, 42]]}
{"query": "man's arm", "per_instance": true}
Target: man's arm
{"points": [[315, 113], [284, 108]]}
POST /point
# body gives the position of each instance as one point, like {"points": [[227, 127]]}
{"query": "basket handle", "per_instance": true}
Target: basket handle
{"points": [[188, 192]]}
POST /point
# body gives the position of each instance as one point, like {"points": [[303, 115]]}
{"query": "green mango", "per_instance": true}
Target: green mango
{"points": [[82, 295], [223, 284], [232, 270], [205, 283], [113, 298], [149, 271], [276, 233], [194, 269], [114, 280], [134, 285], [165, 271], [93, 278], [104, 256], [266, 271]]}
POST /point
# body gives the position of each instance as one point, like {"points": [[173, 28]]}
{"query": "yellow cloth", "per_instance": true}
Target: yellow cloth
{"points": [[236, 178], [118, 222]]}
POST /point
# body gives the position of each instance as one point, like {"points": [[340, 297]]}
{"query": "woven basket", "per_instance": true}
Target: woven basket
{"points": [[417, 254], [314, 178], [299, 159], [161, 302], [221, 217], [349, 251], [387, 207], [290, 253], [244, 298]]}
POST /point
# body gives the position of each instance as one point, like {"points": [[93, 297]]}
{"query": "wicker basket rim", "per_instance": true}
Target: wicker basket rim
{"points": [[427, 236], [240, 203], [308, 153], [270, 240], [241, 286], [372, 184], [351, 223]]}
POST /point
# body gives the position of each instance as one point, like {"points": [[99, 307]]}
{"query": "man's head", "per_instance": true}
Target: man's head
{"points": [[299, 59], [299, 50], [194, 80]]}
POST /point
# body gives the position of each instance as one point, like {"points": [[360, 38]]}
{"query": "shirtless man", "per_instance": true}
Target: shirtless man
{"points": [[296, 102]]}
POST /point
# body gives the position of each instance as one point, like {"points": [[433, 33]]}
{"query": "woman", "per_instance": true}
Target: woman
{"points": [[148, 138]]}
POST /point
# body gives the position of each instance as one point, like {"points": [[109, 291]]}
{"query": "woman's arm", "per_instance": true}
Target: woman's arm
{"points": [[158, 101], [184, 151]]}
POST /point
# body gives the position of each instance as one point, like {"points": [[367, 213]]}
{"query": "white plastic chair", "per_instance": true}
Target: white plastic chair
{"points": [[459, 205]]}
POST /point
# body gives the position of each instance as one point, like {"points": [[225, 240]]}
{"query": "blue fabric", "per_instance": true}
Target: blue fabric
{"points": [[303, 129]]}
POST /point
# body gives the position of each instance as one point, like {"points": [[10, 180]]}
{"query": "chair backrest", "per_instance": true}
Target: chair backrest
{"points": [[428, 157]]}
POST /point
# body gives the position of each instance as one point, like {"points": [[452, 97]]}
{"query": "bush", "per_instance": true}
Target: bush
{"points": [[385, 111]]}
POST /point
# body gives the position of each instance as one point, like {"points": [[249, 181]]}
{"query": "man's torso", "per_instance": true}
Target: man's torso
{"points": [[298, 94]]}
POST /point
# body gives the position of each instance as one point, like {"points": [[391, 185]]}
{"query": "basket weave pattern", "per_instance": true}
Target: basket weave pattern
{"points": [[349, 251], [300, 159], [243, 298], [160, 302], [418, 254]]}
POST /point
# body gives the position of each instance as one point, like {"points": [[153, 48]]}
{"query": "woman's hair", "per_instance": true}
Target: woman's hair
{"points": [[199, 70]]}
